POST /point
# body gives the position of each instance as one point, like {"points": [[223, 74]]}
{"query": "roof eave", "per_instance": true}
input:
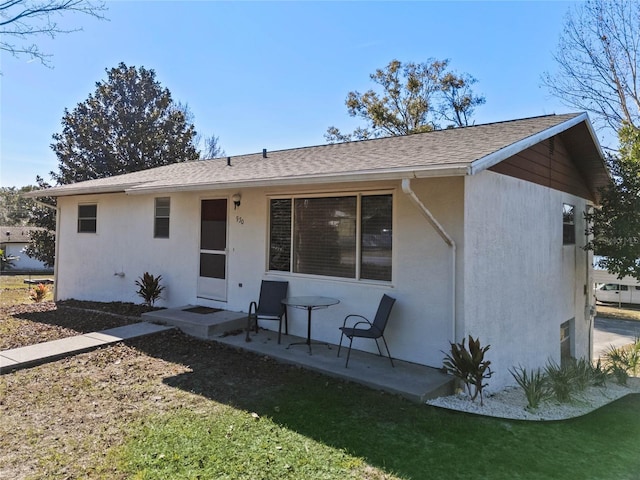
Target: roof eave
{"points": [[68, 192], [351, 177]]}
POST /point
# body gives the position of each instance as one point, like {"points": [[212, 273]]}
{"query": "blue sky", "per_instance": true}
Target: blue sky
{"points": [[275, 74]]}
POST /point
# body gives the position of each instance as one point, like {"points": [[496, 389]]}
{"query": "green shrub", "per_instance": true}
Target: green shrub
{"points": [[149, 288], [561, 380], [534, 384], [469, 366]]}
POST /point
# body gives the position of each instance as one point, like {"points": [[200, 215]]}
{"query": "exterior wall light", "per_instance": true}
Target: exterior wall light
{"points": [[236, 200]]}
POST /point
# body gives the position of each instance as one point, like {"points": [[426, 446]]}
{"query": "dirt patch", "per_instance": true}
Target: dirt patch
{"points": [[118, 308], [60, 419], [28, 324]]}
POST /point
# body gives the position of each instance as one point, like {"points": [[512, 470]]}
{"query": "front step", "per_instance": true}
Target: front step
{"points": [[200, 325]]}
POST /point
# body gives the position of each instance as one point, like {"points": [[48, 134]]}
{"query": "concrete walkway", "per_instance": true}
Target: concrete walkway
{"points": [[28, 356]]}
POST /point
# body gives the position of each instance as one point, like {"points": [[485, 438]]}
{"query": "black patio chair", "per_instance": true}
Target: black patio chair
{"points": [[374, 331], [269, 307]]}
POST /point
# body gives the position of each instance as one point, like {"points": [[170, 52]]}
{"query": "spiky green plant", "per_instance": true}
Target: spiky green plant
{"points": [[621, 361], [534, 384], [149, 288], [561, 379], [599, 374], [469, 366], [582, 372]]}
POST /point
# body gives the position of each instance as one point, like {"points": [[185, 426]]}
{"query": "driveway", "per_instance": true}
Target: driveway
{"points": [[607, 332]]}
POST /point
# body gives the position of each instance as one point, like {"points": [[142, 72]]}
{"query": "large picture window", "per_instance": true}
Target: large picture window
{"points": [[347, 236]]}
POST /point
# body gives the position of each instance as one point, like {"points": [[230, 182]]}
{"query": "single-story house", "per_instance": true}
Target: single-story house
{"points": [[475, 230], [13, 241]]}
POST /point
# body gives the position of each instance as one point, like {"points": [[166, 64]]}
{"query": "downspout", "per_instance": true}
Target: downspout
{"points": [[406, 188], [590, 309], [56, 248]]}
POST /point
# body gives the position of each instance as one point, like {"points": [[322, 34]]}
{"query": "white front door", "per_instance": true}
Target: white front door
{"points": [[212, 280]]}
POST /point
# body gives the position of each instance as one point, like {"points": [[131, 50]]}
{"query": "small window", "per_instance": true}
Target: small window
{"points": [[87, 218], [568, 225], [161, 223]]}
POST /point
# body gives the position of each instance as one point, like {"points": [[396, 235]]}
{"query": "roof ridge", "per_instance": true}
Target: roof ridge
{"points": [[307, 147]]}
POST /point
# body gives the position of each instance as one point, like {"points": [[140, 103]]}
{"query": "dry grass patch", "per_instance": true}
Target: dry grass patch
{"points": [[625, 313]]}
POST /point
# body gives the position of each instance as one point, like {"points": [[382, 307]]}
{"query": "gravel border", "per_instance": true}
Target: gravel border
{"points": [[511, 403]]}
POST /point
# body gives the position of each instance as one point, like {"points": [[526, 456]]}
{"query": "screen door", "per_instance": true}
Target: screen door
{"points": [[212, 280]]}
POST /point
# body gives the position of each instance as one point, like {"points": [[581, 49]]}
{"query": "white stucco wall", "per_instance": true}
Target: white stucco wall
{"points": [[421, 322], [515, 283], [520, 282]]}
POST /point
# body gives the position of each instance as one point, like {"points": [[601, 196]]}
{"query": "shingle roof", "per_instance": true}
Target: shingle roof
{"points": [[444, 152]]}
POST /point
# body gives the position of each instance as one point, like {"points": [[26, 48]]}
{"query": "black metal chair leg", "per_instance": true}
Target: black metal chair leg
{"points": [[388, 352], [349, 352], [378, 345], [279, 330], [340, 344]]}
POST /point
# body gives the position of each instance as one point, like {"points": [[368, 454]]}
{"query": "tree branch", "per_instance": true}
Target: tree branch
{"points": [[21, 19]]}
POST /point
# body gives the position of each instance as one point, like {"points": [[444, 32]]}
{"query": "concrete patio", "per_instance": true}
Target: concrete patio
{"points": [[412, 381]]}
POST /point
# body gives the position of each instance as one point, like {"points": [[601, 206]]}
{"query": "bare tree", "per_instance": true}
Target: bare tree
{"points": [[597, 58], [212, 148], [24, 20], [207, 147]]}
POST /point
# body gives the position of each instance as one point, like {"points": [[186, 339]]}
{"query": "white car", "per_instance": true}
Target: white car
{"points": [[618, 293]]}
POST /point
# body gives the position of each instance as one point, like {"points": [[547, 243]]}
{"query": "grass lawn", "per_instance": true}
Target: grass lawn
{"points": [[172, 407], [313, 430], [14, 291], [624, 313]]}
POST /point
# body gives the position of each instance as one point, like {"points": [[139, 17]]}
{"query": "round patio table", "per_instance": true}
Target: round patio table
{"points": [[309, 303]]}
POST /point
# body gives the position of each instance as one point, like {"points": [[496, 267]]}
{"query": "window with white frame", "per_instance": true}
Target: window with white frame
{"points": [[87, 218], [161, 218], [348, 236]]}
